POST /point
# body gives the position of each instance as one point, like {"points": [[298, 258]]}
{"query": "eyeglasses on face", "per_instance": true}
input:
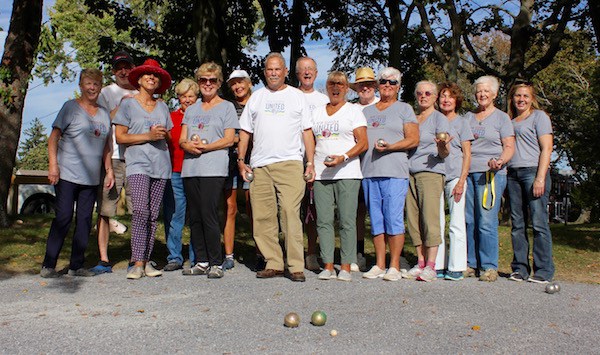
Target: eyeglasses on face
{"points": [[208, 80], [388, 81], [424, 93]]}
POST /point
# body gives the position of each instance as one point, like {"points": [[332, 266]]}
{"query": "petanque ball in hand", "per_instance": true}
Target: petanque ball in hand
{"points": [[204, 141], [291, 320], [328, 159], [308, 177], [381, 142], [318, 318], [195, 137], [442, 136], [249, 176]]}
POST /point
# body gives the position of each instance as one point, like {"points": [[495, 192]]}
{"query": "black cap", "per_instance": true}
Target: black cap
{"points": [[122, 56]]}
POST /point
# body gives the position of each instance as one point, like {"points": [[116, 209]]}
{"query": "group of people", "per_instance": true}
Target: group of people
{"points": [[289, 148]]}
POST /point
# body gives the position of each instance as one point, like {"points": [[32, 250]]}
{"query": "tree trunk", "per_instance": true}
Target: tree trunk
{"points": [[273, 26], [594, 9], [209, 27], [19, 53], [297, 19]]}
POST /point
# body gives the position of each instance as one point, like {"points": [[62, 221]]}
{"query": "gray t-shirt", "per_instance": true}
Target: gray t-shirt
{"points": [[488, 136], [425, 156], [461, 132], [82, 143], [150, 158], [388, 125], [527, 132], [209, 125]]}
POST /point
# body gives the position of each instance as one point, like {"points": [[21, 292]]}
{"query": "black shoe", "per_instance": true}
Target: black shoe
{"points": [[515, 276], [537, 279], [260, 263], [172, 266]]}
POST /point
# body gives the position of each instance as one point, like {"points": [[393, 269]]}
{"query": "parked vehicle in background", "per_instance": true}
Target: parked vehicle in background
{"points": [[31, 193]]}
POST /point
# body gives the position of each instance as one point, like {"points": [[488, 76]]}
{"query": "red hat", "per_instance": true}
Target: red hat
{"points": [[150, 66]]}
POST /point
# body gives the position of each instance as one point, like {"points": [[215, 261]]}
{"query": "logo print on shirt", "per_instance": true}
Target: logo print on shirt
{"points": [[478, 131], [97, 129], [376, 121], [275, 108], [200, 123], [327, 129]]}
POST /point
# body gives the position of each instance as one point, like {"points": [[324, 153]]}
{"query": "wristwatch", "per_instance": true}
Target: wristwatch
{"points": [[346, 157]]}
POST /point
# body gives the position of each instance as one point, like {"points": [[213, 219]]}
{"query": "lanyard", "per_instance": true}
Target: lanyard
{"points": [[489, 184]]}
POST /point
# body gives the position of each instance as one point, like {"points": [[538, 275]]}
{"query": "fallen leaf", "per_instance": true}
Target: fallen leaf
{"points": [[140, 311], [476, 328]]}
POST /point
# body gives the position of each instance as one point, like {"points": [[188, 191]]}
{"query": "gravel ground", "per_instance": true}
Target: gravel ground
{"points": [[242, 314]]}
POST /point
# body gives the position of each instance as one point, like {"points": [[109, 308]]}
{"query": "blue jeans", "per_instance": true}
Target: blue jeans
{"points": [[482, 224], [174, 217], [524, 206]]}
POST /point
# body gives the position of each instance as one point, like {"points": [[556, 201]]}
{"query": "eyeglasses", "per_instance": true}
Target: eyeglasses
{"points": [[208, 80], [426, 93], [388, 81]]}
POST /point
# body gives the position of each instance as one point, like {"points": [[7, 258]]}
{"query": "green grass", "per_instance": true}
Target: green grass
{"points": [[22, 248]]}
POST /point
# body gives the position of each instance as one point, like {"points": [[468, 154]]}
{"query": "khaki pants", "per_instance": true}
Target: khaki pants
{"points": [[279, 184], [423, 208]]}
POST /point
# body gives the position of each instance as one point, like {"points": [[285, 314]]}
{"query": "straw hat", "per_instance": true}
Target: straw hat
{"points": [[151, 66], [362, 75]]}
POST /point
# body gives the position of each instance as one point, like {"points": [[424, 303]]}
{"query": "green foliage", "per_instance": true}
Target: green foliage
{"points": [[33, 150]]}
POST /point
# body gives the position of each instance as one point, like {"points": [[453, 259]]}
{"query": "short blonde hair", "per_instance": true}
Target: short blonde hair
{"points": [[186, 85], [91, 73], [338, 75], [210, 68]]}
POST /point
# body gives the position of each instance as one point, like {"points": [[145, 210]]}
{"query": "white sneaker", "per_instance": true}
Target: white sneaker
{"points": [[327, 275], [361, 261], [311, 263], [116, 226], [354, 267], [413, 273], [374, 273], [392, 274], [344, 276], [428, 274], [150, 271]]}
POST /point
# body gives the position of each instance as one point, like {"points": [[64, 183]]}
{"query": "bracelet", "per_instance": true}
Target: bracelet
{"points": [[539, 180], [309, 163], [240, 159]]}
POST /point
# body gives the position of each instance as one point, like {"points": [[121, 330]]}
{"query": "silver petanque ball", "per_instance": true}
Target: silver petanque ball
{"points": [[381, 142], [308, 177], [329, 159], [204, 141], [552, 288], [249, 176], [195, 137]]}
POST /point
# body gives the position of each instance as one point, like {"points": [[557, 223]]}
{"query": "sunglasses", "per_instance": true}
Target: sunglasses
{"points": [[208, 80], [523, 82], [336, 83], [426, 93], [388, 81]]}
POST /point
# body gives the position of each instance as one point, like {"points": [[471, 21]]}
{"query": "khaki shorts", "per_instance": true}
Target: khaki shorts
{"points": [[108, 200]]}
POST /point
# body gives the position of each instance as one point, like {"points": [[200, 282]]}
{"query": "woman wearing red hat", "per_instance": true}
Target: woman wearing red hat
{"points": [[143, 124]]}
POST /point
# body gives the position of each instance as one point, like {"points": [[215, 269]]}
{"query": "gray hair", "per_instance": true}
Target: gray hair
{"points": [[275, 55], [390, 73], [305, 58], [426, 82], [488, 80]]}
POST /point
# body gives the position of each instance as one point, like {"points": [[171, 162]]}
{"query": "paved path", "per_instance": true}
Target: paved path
{"points": [[242, 314]]}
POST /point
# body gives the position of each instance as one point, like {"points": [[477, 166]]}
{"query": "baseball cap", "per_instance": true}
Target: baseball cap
{"points": [[122, 56]]}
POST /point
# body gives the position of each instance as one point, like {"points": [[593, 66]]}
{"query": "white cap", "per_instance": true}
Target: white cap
{"points": [[238, 73]]}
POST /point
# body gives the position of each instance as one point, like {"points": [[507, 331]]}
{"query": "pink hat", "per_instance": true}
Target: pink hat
{"points": [[153, 67]]}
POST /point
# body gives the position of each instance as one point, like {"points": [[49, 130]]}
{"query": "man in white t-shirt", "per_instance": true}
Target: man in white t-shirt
{"points": [[110, 98], [277, 118], [306, 72]]}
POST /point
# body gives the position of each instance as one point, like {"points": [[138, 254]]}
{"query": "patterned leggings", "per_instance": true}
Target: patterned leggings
{"points": [[146, 195]]}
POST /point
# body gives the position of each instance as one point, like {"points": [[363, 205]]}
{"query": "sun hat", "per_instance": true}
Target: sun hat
{"points": [[122, 56], [151, 66], [238, 73], [362, 75]]}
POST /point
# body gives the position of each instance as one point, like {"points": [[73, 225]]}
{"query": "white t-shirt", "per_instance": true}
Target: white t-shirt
{"points": [[334, 136], [376, 100], [110, 97], [276, 120], [316, 99]]}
